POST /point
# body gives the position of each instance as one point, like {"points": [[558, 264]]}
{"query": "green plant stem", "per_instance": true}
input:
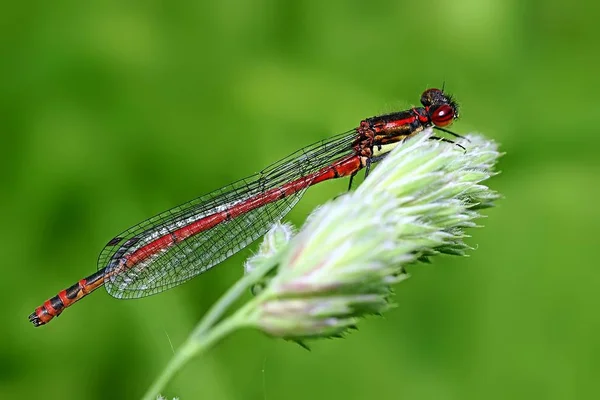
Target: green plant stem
{"points": [[203, 337], [192, 347], [238, 288]]}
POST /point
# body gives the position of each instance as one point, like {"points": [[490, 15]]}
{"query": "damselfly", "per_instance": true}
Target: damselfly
{"points": [[183, 242]]}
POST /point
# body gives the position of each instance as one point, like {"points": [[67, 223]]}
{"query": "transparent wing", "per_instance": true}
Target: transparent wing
{"points": [[173, 265]]}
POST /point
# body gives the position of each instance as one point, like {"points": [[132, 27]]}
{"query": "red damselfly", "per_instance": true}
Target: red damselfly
{"points": [[183, 242]]}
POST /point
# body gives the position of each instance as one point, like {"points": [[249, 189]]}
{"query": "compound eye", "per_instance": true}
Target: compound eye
{"points": [[431, 96], [442, 115]]}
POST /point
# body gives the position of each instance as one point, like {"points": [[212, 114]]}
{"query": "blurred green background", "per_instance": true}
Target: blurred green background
{"points": [[113, 111]]}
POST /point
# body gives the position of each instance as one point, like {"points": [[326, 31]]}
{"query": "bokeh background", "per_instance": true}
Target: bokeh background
{"points": [[113, 111]]}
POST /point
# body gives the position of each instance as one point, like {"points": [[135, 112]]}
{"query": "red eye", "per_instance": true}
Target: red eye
{"points": [[443, 115]]}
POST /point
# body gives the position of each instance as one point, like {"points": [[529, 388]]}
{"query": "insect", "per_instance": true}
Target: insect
{"points": [[176, 245]]}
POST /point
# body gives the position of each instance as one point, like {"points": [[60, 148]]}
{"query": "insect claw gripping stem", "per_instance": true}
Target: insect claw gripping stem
{"points": [[350, 182], [451, 133], [185, 241], [441, 139]]}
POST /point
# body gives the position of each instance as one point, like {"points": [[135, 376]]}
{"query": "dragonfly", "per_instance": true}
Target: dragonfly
{"points": [[179, 244]]}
